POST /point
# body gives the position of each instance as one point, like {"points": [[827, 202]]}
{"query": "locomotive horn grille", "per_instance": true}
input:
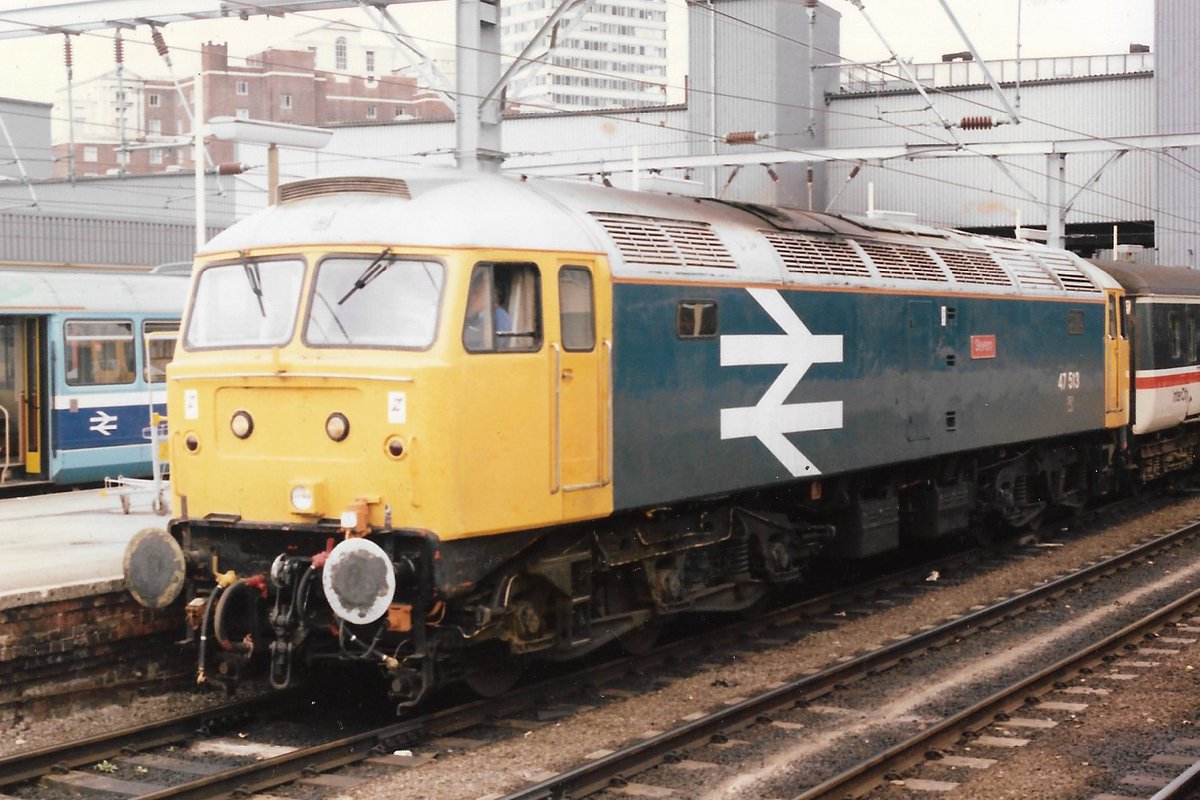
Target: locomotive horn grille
{"points": [[319, 187]]}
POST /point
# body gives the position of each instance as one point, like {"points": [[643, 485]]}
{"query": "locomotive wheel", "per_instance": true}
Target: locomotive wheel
{"points": [[641, 639], [496, 670]]}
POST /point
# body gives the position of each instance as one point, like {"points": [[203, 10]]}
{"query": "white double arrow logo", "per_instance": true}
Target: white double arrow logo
{"points": [[771, 418], [103, 423]]}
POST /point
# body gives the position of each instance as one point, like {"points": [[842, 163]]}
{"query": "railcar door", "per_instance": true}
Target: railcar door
{"points": [[1116, 363], [581, 355], [33, 397]]}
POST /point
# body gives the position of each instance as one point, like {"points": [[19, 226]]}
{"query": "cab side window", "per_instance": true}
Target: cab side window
{"points": [[504, 309], [578, 312]]}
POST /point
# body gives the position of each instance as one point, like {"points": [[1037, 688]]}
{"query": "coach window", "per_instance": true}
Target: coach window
{"points": [[504, 309], [578, 313], [1175, 334], [158, 339], [696, 319], [99, 352]]}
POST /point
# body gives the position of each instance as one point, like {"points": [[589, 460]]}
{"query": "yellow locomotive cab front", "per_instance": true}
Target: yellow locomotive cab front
{"points": [[314, 384]]}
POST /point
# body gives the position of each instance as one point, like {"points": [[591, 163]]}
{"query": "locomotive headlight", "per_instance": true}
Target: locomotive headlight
{"points": [[191, 442], [306, 497], [242, 424], [337, 427]]}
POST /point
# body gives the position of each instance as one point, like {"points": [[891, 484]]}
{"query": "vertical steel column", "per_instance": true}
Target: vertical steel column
{"points": [[477, 49], [1056, 199]]}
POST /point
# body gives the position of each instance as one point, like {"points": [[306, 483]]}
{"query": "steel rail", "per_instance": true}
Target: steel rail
{"points": [[871, 773], [638, 757], [31, 764]]}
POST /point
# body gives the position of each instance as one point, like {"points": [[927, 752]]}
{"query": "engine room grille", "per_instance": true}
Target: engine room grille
{"points": [[1073, 279], [904, 262], [319, 187], [970, 266], [1029, 273], [809, 256], [665, 242]]}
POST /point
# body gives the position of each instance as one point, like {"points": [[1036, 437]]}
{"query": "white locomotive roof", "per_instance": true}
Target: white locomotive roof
{"points": [[50, 291], [655, 236]]}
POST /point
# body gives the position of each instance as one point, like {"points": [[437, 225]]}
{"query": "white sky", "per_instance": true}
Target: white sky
{"points": [[918, 29]]}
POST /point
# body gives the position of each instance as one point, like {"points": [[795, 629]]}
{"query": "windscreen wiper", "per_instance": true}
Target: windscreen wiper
{"points": [[255, 279], [373, 271]]}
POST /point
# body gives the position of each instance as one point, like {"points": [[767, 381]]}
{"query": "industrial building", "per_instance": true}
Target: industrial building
{"points": [[766, 71]]}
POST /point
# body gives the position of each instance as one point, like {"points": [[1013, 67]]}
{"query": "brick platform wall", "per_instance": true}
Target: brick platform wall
{"points": [[81, 642]]}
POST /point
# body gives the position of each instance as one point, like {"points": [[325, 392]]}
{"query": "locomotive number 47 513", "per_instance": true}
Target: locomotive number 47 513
{"points": [[1068, 381]]}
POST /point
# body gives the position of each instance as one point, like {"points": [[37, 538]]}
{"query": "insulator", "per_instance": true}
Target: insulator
{"points": [[232, 168], [809, 174], [811, 3], [774, 175], [976, 123], [854, 172], [68, 56], [160, 44], [119, 48], [742, 137]]}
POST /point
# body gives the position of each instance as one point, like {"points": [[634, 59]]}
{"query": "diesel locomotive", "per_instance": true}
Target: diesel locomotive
{"points": [[447, 423]]}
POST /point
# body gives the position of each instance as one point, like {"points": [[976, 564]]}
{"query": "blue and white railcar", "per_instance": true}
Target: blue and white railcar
{"points": [[83, 358]]}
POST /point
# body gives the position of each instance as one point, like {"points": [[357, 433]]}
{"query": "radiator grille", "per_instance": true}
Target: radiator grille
{"points": [[970, 266], [809, 256], [319, 187], [904, 262], [665, 242]]}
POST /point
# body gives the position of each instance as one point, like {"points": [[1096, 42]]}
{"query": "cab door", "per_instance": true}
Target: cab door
{"points": [[1116, 362], [581, 370]]}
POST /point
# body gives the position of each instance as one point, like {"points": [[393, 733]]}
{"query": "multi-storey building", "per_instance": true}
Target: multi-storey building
{"points": [[615, 57], [124, 122]]}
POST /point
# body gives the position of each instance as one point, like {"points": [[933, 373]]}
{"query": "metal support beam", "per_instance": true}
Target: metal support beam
{"points": [[477, 47], [1056, 198]]}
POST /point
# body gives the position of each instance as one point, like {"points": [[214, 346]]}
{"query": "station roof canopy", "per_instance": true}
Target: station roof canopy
{"points": [[88, 15]]}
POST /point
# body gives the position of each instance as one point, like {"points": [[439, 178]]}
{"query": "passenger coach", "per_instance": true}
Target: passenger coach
{"points": [[83, 356]]}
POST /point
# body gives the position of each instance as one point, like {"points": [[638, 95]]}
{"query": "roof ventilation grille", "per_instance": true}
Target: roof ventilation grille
{"points": [[649, 241], [320, 187], [809, 256], [971, 266], [904, 262]]}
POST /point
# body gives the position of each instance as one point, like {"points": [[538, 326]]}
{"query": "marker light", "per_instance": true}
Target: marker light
{"points": [[337, 427], [242, 424], [395, 447], [302, 498], [191, 442]]}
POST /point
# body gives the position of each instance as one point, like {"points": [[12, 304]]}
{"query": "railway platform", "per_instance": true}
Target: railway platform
{"points": [[67, 545]]}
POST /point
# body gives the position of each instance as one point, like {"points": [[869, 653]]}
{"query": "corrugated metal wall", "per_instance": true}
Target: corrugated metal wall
{"points": [[144, 220], [82, 240], [978, 192], [1177, 36]]}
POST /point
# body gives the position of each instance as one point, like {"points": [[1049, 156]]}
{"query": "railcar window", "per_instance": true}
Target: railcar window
{"points": [[383, 301], [159, 340], [247, 304], [99, 352], [1174, 334], [696, 319], [504, 309], [1193, 334], [578, 314]]}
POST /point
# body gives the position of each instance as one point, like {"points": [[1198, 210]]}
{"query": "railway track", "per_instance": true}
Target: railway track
{"points": [[623, 765], [377, 745], [60, 764]]}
